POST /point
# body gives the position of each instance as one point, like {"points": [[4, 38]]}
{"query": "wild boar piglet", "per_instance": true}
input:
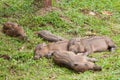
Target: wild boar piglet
{"points": [[91, 45], [77, 62], [46, 50], [14, 30]]}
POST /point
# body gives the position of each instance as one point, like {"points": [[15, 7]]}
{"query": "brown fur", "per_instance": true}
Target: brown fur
{"points": [[85, 46], [5, 56], [14, 30], [91, 44], [77, 62], [49, 36], [44, 50], [47, 3]]}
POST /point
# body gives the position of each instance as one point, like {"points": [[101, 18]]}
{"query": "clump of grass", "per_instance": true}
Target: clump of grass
{"points": [[22, 65]]}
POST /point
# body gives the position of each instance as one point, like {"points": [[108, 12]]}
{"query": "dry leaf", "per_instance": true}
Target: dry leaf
{"points": [[89, 33], [20, 49], [107, 13], [92, 13]]}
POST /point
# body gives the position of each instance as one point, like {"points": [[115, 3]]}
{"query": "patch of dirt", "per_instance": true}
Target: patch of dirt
{"points": [[52, 76], [12, 71], [44, 11], [104, 15], [105, 56], [90, 12], [109, 55], [108, 13], [49, 24], [66, 19]]}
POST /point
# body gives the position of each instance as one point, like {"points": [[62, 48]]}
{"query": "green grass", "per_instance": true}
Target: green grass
{"points": [[73, 23]]}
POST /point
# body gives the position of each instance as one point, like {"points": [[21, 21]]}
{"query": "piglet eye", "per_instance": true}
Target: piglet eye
{"points": [[40, 48], [86, 64], [75, 64]]}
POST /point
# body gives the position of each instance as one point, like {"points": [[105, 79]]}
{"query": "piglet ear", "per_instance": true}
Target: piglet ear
{"points": [[75, 64]]}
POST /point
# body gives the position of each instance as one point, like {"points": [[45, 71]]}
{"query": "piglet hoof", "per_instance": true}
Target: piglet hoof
{"points": [[81, 54], [97, 68], [93, 60], [112, 50]]}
